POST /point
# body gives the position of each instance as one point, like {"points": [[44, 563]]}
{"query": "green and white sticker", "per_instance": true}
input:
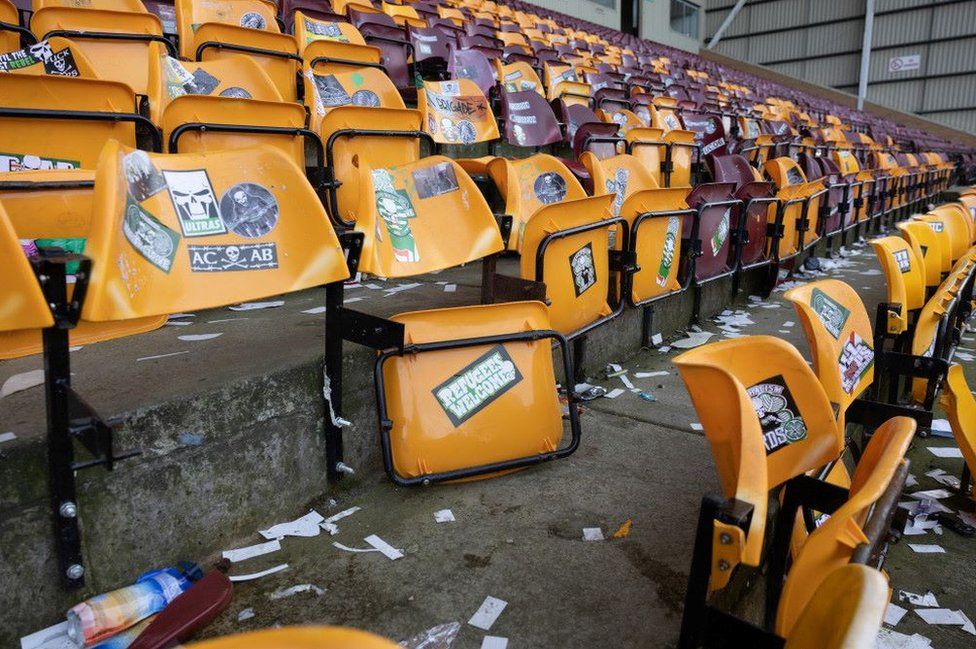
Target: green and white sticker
{"points": [[667, 256], [28, 162], [856, 358], [151, 239], [721, 233], [832, 313], [475, 386], [778, 414], [396, 209]]}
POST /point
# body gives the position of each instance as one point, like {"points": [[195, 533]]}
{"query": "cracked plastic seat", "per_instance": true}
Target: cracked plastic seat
{"points": [[42, 140], [718, 213], [518, 76], [420, 217], [958, 225], [123, 56], [54, 209], [324, 637], [214, 29], [450, 408], [654, 219], [765, 423], [203, 230], [960, 407], [944, 237], [191, 101]]}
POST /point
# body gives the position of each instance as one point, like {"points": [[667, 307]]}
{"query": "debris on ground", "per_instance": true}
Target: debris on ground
{"points": [[487, 613], [439, 637]]}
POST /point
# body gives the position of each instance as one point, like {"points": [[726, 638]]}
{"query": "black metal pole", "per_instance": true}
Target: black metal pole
{"points": [[332, 381]]}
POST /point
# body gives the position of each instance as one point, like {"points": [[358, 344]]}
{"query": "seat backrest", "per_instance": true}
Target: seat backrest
{"points": [[530, 184], [20, 292], [473, 65], [905, 279], [309, 29], [456, 112], [960, 407], [927, 247], [529, 119], [937, 223], [845, 611], [276, 53], [9, 38], [620, 175], [956, 222], [222, 227], [832, 544], [66, 142], [422, 217], [123, 60], [765, 422], [193, 14], [518, 76], [838, 332], [55, 56]]}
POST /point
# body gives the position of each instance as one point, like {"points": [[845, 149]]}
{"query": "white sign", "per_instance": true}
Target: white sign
{"points": [[905, 63]]}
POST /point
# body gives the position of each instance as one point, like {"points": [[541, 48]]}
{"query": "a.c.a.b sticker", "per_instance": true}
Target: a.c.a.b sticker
{"points": [[475, 386], [778, 414], [245, 256]]}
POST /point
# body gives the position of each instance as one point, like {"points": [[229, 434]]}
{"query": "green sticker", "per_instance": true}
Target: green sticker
{"points": [[667, 256], [76, 245], [151, 239], [28, 162], [721, 232], [832, 313], [778, 414], [396, 210]]}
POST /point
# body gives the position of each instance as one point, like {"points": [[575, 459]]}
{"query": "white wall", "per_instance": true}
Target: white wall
{"points": [[595, 13]]}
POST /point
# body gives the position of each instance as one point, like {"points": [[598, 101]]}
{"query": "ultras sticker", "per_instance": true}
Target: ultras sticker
{"points": [[195, 202]]}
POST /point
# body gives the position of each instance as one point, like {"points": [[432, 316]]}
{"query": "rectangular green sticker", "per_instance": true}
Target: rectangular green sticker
{"points": [[151, 239]]}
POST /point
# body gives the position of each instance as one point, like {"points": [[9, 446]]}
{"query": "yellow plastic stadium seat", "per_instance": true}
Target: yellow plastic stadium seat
{"points": [[657, 239], [123, 58], [456, 112], [308, 30], [800, 202], [845, 612], [530, 184], [518, 76], [649, 147], [831, 545], [203, 230], [442, 424], [9, 37], [420, 217], [927, 247], [960, 406], [22, 304], [34, 142], [838, 332], [958, 224], [214, 29], [938, 225], [55, 56], [928, 335], [765, 423], [53, 209], [324, 637], [905, 278]]}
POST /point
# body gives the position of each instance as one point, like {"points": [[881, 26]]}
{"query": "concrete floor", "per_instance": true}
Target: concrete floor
{"points": [[519, 537]]}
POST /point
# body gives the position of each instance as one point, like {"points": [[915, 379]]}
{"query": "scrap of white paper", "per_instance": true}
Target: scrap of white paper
{"points": [[450, 288], [940, 616], [788, 324], [647, 375], [657, 339], [388, 550], [198, 337], [494, 642], [592, 534], [941, 425], [890, 639], [246, 614], [282, 593], [613, 394], [225, 320], [177, 323], [665, 349], [255, 306], [444, 516], [307, 525], [894, 614], [489, 611], [696, 426], [157, 356], [53, 637], [258, 575], [7, 437], [346, 548], [626, 382], [930, 494], [242, 554], [694, 339], [315, 310], [945, 451], [21, 381], [922, 548], [329, 524], [176, 316]]}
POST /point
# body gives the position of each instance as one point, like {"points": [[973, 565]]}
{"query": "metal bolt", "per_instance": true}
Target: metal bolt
{"points": [[75, 571], [68, 509], [725, 538], [723, 565], [342, 467]]}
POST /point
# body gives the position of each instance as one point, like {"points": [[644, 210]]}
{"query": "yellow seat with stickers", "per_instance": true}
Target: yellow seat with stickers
{"points": [[801, 205], [958, 225], [765, 423], [193, 101], [52, 209], [960, 407], [648, 145], [530, 184], [203, 230], [838, 332], [214, 29], [927, 247], [9, 22], [654, 219], [518, 76], [456, 112], [845, 611], [937, 223], [451, 406], [306, 637], [931, 336], [24, 305], [44, 139], [905, 278], [421, 217], [831, 545], [115, 37], [55, 56], [309, 29]]}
